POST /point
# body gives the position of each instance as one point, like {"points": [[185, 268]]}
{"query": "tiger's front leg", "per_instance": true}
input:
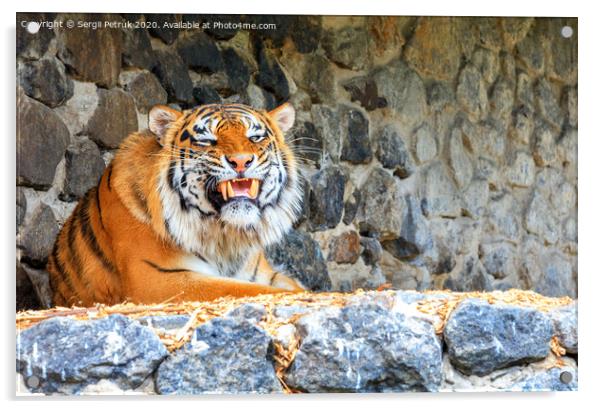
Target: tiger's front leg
{"points": [[177, 284], [262, 272]]}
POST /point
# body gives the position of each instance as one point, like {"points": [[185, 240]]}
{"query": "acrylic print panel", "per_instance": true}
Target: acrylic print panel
{"points": [[295, 204]]}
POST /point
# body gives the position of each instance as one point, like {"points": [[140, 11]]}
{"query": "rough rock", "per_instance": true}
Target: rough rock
{"points": [[476, 197], [371, 250], [236, 69], [522, 125], [206, 94], [540, 219], [328, 125], [315, 74], [270, 75], [66, 355], [562, 63], [557, 277], [33, 46], [164, 323], [326, 198], [502, 101], [21, 209], [344, 248], [224, 356], [145, 88], [546, 103], [299, 256], [365, 348], [440, 197], [459, 159], [503, 216], [136, 48], [440, 96], [356, 145], [524, 91], [220, 33], [538, 376], [487, 62], [364, 91], [404, 92], [40, 280], [499, 259], [91, 55], [515, 29], [426, 145], [42, 138], [521, 172], [114, 118], [392, 152], [157, 27], [483, 337], [472, 93], [46, 81], [488, 138], [434, 50], [351, 206], [564, 320], [570, 104], [307, 142], [307, 33], [199, 52], [348, 47], [551, 380], [250, 312], [83, 168], [39, 235], [77, 111], [530, 54], [415, 236], [173, 75], [380, 191], [26, 298]]}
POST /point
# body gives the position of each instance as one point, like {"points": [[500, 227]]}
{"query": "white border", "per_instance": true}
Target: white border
{"points": [[590, 149]]}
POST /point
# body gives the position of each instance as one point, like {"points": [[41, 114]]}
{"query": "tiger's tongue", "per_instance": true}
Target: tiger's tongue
{"points": [[242, 188]]}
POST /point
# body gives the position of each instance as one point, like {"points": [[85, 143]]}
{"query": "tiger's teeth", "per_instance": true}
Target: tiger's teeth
{"points": [[230, 190], [254, 188], [223, 188]]}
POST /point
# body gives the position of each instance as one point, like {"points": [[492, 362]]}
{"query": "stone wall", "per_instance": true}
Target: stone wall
{"points": [[439, 152], [392, 341]]}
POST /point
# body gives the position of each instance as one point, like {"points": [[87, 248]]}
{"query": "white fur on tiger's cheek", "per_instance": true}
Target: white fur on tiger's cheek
{"points": [[240, 213]]}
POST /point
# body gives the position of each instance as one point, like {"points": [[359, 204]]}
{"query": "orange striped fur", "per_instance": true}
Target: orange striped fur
{"points": [[184, 211]]}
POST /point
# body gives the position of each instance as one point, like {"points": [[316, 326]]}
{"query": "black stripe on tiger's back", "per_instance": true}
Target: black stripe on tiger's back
{"points": [[60, 268], [74, 255], [89, 236], [97, 191], [109, 173], [165, 270]]}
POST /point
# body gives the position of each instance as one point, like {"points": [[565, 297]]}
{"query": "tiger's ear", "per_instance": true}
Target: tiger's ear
{"points": [[284, 116], [160, 118]]}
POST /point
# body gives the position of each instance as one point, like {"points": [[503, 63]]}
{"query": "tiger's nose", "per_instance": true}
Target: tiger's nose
{"points": [[240, 162]]}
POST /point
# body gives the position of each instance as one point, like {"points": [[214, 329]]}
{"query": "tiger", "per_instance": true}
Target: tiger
{"points": [[184, 211]]}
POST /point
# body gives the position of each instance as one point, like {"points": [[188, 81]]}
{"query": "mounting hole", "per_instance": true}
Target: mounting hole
{"points": [[566, 377], [33, 27], [566, 31], [33, 381]]}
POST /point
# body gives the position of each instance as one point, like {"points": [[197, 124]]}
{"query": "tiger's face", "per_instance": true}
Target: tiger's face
{"points": [[229, 164]]}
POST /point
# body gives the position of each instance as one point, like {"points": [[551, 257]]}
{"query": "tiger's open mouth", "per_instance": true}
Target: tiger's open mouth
{"points": [[238, 188]]}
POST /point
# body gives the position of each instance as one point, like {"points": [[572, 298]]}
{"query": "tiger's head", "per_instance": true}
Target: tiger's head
{"points": [[228, 166]]}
